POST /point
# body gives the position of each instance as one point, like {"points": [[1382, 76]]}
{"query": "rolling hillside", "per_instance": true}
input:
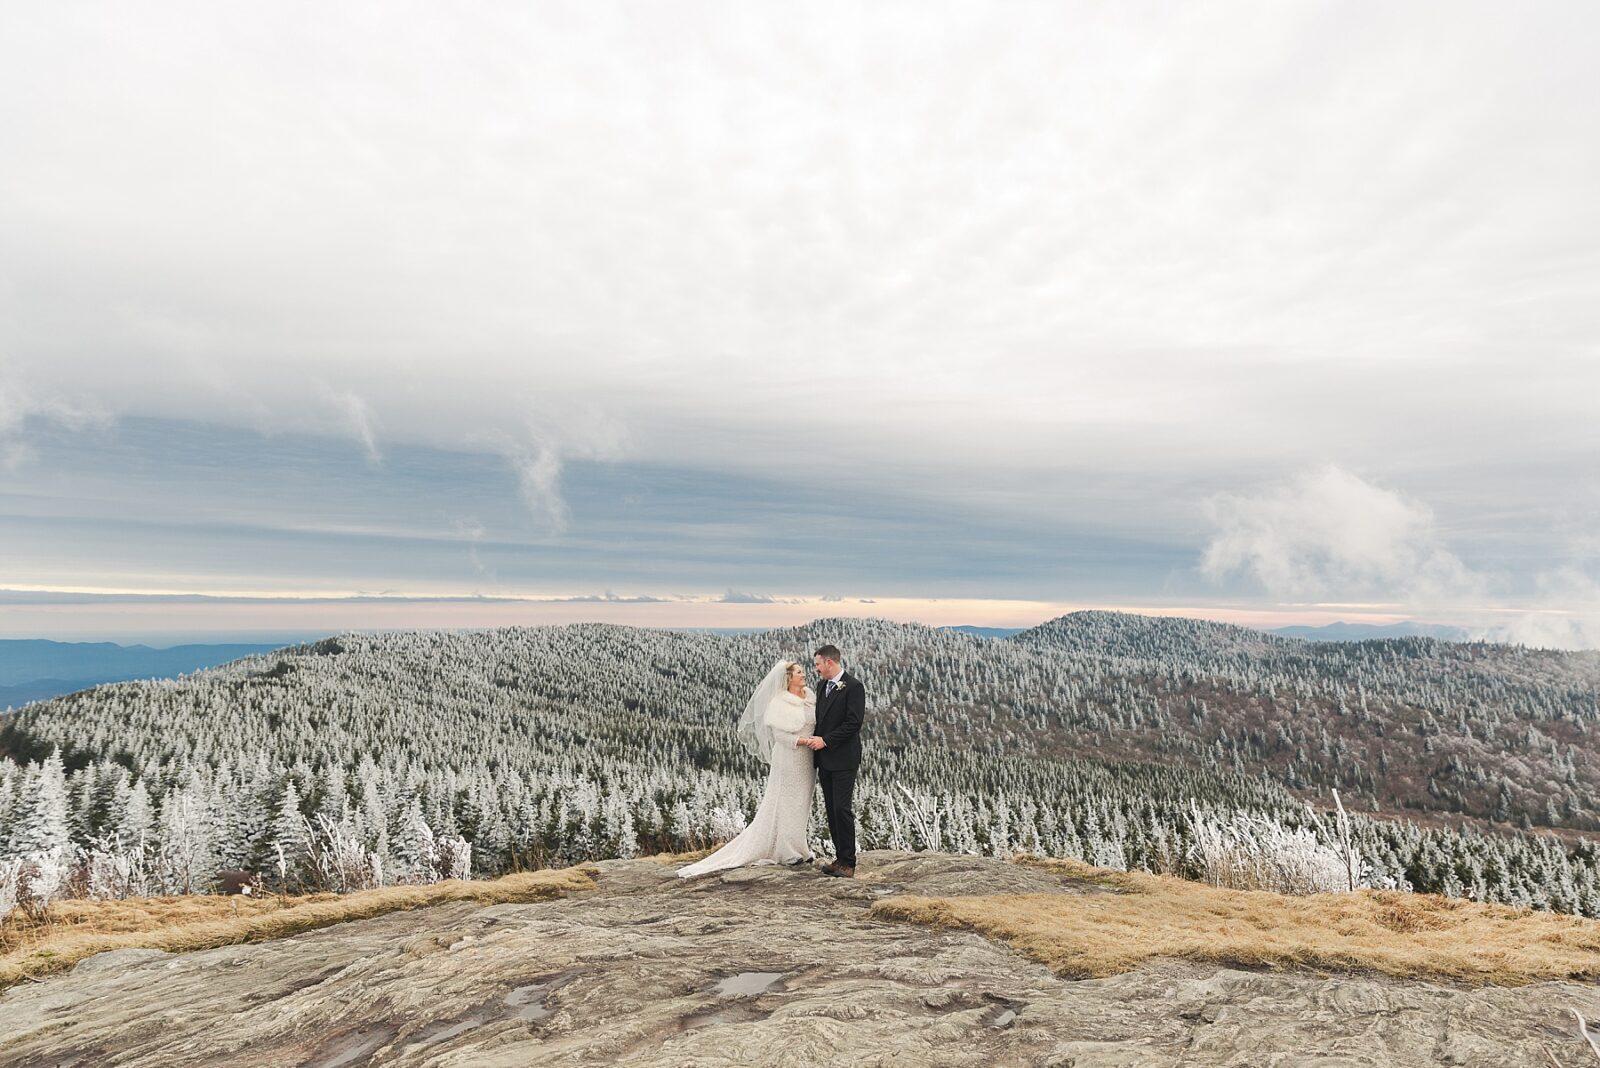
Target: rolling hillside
{"points": [[1087, 736]]}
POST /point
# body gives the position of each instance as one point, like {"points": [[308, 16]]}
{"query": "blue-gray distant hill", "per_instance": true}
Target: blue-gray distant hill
{"points": [[986, 632], [1361, 632], [34, 669]]}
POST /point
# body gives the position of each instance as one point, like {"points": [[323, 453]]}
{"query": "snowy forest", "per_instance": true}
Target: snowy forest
{"points": [[1131, 742]]}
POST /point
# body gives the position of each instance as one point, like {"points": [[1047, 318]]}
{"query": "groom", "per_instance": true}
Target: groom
{"points": [[836, 750]]}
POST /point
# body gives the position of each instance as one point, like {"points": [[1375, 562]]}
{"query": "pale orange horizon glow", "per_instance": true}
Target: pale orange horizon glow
{"points": [[332, 612]]}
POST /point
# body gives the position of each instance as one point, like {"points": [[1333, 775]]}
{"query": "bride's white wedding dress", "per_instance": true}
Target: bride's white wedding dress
{"points": [[779, 832]]}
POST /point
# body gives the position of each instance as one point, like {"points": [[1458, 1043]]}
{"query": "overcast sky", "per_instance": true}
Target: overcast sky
{"points": [[962, 312]]}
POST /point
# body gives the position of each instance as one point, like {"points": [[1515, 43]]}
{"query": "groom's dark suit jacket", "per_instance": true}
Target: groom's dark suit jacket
{"points": [[839, 717]]}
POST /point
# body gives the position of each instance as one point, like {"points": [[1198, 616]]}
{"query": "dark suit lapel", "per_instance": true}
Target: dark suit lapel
{"points": [[826, 700]]}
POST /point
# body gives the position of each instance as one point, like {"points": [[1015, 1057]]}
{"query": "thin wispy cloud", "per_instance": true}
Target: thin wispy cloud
{"points": [[741, 597], [362, 423]]}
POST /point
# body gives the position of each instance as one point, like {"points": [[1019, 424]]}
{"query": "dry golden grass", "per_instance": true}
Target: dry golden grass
{"points": [[1422, 936], [682, 858], [77, 929]]}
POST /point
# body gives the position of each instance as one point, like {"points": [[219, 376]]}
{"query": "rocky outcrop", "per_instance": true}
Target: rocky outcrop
{"points": [[757, 966]]}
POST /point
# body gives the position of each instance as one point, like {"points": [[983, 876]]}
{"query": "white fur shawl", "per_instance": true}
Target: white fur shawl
{"points": [[786, 712]]}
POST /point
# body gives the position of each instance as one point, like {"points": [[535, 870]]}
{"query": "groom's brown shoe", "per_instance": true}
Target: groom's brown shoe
{"points": [[830, 867], [840, 871]]}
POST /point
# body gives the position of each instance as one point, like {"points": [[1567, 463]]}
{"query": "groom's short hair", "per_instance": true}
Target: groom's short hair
{"points": [[830, 652]]}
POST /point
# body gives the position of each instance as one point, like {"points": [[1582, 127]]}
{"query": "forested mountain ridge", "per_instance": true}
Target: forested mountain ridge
{"points": [[1490, 731], [1497, 732], [1087, 736]]}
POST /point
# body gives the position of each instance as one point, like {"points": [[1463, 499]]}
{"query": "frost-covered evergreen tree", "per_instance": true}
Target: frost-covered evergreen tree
{"points": [[333, 798], [617, 835], [39, 816], [186, 861], [288, 836], [134, 822], [416, 851]]}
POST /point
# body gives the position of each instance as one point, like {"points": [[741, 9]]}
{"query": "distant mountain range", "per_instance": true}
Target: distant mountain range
{"points": [[1361, 632], [39, 669], [1329, 632], [35, 669]]}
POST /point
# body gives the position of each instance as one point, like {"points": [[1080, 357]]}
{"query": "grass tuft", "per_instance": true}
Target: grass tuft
{"points": [[75, 929], [1414, 936], [675, 859]]}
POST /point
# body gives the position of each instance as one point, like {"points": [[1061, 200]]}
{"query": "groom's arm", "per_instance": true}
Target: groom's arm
{"points": [[855, 710]]}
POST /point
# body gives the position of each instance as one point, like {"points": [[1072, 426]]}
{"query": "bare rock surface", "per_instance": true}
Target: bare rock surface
{"points": [[759, 966]]}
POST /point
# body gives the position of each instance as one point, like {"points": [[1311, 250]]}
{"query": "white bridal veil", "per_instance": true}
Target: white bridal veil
{"points": [[755, 733]]}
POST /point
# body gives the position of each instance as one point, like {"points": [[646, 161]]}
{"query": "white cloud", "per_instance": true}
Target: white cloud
{"points": [[361, 420], [1329, 535], [539, 479], [1570, 618], [20, 402], [1294, 220], [473, 531], [741, 597], [549, 437], [1327, 532], [1155, 248]]}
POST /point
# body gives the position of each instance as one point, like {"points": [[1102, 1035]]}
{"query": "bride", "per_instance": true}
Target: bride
{"points": [[782, 709]]}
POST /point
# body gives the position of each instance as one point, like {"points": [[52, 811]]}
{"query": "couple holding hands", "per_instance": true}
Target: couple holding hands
{"points": [[807, 739]]}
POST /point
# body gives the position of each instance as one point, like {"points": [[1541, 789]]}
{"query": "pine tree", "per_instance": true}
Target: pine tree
{"points": [[186, 854], [373, 817], [287, 836], [333, 800], [135, 825], [39, 826], [617, 831], [83, 792], [416, 854]]}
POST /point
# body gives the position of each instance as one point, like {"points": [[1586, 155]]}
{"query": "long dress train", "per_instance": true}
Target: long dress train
{"points": [[779, 832]]}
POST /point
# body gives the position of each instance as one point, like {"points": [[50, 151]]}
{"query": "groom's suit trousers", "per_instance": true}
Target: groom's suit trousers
{"points": [[838, 796]]}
